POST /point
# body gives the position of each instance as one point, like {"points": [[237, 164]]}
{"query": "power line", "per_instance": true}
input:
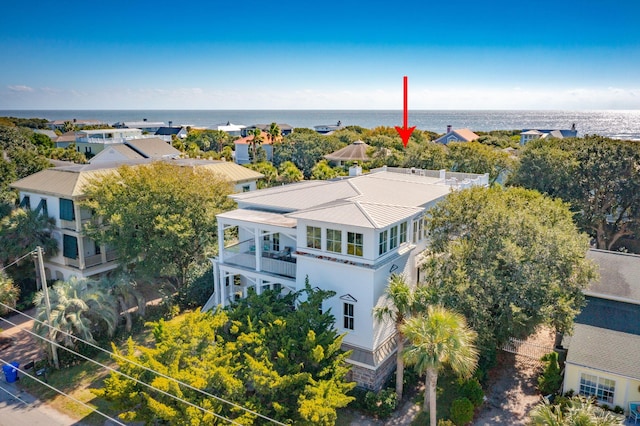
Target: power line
{"points": [[13, 395], [201, 391], [17, 260], [125, 375], [95, 410]]}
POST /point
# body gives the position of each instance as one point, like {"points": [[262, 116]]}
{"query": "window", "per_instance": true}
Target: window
{"points": [[599, 387], [334, 240], [354, 243], [314, 237], [26, 202], [66, 210], [246, 188], [69, 247], [382, 242], [393, 240], [403, 232], [415, 232], [348, 316], [275, 242]]}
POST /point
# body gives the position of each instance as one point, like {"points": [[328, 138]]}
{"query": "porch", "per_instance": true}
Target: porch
{"points": [[263, 259]]}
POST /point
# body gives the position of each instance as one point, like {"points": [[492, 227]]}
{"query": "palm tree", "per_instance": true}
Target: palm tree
{"points": [[400, 303], [124, 290], [578, 411], [79, 307], [255, 142], [439, 337]]}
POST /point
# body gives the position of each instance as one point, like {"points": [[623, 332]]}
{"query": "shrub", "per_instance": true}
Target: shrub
{"points": [[381, 404], [550, 380], [461, 411], [443, 422], [618, 409], [472, 390]]}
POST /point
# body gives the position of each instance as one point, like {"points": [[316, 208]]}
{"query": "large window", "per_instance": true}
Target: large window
{"points": [[314, 237], [69, 247], [334, 240], [66, 209], [354, 244], [403, 232], [599, 387], [383, 242], [348, 316], [393, 240]]}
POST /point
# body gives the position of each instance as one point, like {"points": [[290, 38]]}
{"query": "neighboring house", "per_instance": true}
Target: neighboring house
{"points": [[135, 149], [285, 129], [65, 139], [346, 235], [531, 134], [167, 133], [242, 149], [230, 128], [150, 127], [92, 142], [58, 191], [458, 135], [603, 354], [326, 129], [79, 124]]}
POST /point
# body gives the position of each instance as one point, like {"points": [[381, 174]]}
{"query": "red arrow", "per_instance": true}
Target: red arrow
{"points": [[404, 131]]}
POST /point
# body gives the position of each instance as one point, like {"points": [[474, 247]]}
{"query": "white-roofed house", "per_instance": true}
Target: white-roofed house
{"points": [[603, 353], [347, 236]]}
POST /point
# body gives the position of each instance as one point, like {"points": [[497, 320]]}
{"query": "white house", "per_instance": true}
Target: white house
{"points": [[58, 191], [242, 148], [92, 142], [346, 235], [528, 135], [603, 354]]}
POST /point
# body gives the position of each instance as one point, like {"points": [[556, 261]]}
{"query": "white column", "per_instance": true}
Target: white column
{"points": [[221, 228], [258, 242]]}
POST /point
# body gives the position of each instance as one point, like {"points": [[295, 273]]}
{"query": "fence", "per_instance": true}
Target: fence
{"points": [[529, 350]]}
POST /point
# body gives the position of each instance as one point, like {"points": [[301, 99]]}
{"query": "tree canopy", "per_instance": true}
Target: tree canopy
{"points": [[262, 354], [508, 260], [597, 176], [160, 217]]}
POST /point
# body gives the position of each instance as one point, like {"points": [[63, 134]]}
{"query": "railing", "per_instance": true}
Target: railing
{"points": [[94, 260], [71, 262], [274, 262], [111, 255]]}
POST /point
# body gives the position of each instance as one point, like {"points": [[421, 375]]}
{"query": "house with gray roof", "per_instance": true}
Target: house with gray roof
{"points": [[603, 353], [346, 235], [135, 149], [528, 135]]}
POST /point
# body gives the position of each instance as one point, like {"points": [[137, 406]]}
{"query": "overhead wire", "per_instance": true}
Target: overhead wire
{"points": [[95, 410], [160, 374], [17, 260]]}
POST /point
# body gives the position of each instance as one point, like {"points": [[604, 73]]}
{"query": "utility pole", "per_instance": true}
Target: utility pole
{"points": [[45, 290]]}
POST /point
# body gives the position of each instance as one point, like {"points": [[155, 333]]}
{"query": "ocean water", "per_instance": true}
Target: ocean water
{"points": [[612, 123]]}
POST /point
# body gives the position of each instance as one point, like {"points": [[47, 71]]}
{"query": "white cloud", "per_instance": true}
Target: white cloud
{"points": [[20, 88]]}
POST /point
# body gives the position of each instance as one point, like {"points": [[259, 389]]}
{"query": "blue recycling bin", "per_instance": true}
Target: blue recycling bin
{"points": [[11, 371]]}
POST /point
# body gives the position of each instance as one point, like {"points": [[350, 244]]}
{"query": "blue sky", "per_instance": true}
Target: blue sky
{"points": [[235, 54]]}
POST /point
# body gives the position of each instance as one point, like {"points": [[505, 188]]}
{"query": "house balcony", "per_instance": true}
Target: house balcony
{"points": [[277, 262], [72, 224], [91, 261]]}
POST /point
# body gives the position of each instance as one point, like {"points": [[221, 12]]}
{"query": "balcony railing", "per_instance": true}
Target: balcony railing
{"points": [[274, 262]]}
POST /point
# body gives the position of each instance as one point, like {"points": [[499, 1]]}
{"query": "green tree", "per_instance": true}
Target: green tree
{"points": [[9, 293], [68, 154], [429, 156], [599, 177], [400, 303], [125, 291], [551, 378], [508, 260], [255, 143], [268, 170], [282, 362], [474, 157], [275, 134], [305, 149], [323, 171], [161, 217], [439, 338], [289, 173], [578, 411], [79, 307]]}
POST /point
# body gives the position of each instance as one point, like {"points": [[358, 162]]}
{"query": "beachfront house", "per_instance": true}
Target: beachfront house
{"points": [[603, 353], [243, 149], [456, 135], [92, 142], [285, 129], [135, 149], [58, 191], [528, 135], [348, 236]]}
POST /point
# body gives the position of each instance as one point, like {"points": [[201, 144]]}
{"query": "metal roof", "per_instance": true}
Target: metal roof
{"points": [[254, 216]]}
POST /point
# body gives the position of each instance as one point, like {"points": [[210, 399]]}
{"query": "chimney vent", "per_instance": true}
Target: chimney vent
{"points": [[448, 128]]}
